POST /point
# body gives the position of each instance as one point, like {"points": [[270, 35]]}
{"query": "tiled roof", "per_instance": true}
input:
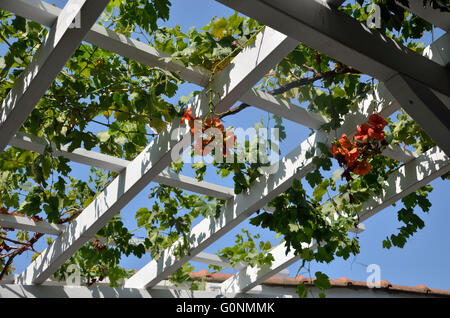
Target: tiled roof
{"points": [[340, 282]]}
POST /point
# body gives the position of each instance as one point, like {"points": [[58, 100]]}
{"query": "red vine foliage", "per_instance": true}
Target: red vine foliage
{"points": [[357, 153], [203, 136]]}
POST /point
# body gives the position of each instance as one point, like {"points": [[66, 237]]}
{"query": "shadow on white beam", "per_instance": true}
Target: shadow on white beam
{"points": [[98, 291], [345, 39], [424, 106], [47, 62], [283, 108], [408, 178], [26, 224], [437, 17]]}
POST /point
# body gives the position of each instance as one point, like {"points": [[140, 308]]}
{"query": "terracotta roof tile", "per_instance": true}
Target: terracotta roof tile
{"points": [[339, 282]]}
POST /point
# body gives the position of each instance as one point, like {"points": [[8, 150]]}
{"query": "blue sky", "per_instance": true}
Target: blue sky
{"points": [[425, 259]]}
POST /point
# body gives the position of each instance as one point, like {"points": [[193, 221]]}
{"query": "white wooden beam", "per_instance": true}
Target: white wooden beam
{"points": [[425, 107], [45, 65], [439, 50], [36, 10], [213, 259], [397, 153], [26, 224], [79, 155], [341, 37], [45, 291], [243, 72], [105, 291], [429, 108], [283, 108], [95, 159], [191, 184], [407, 179], [437, 17], [250, 277]]}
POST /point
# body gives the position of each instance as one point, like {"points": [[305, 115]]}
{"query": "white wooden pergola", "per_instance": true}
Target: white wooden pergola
{"points": [[419, 84]]}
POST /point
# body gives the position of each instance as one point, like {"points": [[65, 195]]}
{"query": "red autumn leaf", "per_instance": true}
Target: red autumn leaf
{"points": [[376, 133], [363, 133], [377, 120], [362, 168], [345, 142]]}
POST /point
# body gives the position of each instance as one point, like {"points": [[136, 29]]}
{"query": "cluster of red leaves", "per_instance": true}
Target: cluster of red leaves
{"points": [[355, 154], [203, 139], [101, 247]]}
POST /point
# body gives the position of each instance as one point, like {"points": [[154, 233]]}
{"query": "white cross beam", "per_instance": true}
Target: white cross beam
{"points": [[437, 17], [62, 40], [99, 160]]}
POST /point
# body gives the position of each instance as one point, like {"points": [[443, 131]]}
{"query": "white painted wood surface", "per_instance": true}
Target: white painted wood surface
{"points": [[98, 160], [437, 17], [26, 224], [58, 47], [343, 38]]}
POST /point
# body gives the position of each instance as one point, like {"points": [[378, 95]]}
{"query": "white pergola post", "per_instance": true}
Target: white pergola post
{"points": [[62, 40]]}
